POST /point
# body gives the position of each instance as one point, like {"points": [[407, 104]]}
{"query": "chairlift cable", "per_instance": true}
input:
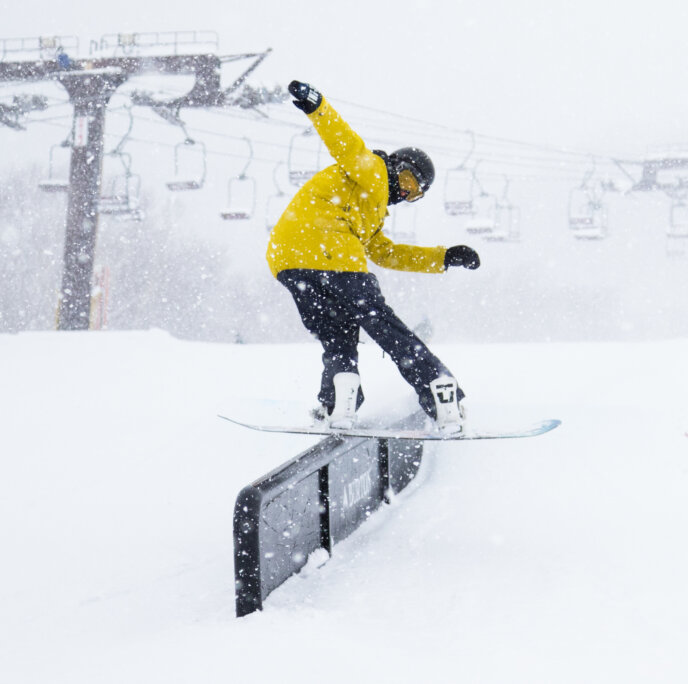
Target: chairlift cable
{"points": [[547, 170], [501, 155], [457, 130]]}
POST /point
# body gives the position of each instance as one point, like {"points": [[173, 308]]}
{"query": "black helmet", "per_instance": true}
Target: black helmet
{"points": [[421, 164]]}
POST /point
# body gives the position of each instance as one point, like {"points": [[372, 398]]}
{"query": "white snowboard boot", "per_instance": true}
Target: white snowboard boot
{"points": [[346, 393], [450, 413]]}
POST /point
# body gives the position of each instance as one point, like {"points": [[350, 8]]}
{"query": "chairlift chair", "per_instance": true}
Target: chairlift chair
{"points": [[188, 154], [507, 218], [404, 223], [134, 214], [241, 202], [678, 220], [123, 187], [241, 191], [591, 226], [587, 212], [484, 219], [507, 224], [275, 208], [676, 245], [122, 198], [458, 192], [587, 215], [460, 183], [303, 161], [55, 183]]}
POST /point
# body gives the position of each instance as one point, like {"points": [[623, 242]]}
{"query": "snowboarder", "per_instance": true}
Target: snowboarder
{"points": [[318, 251]]}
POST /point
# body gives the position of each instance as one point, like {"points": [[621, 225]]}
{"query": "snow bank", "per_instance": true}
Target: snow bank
{"points": [[560, 558]]}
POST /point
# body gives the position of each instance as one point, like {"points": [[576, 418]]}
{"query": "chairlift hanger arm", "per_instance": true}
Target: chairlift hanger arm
{"points": [[280, 192], [474, 174], [250, 157], [505, 192], [120, 145], [471, 149], [588, 174]]}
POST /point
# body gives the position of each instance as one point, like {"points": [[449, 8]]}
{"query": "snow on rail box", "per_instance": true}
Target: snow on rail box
{"points": [[419, 434]]}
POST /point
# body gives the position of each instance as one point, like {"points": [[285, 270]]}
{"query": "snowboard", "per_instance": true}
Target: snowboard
{"points": [[417, 434]]}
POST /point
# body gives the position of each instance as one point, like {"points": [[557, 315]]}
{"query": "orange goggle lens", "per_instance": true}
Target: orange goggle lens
{"points": [[409, 186]]}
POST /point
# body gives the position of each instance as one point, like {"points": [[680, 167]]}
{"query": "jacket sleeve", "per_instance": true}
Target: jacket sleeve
{"points": [[348, 149], [400, 257]]}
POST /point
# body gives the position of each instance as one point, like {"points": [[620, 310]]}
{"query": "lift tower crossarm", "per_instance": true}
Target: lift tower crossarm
{"points": [[650, 169]]}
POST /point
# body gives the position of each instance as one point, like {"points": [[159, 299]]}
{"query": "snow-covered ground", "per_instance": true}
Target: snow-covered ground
{"points": [[556, 559]]}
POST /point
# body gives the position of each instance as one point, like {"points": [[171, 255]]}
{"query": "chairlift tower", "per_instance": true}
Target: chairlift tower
{"points": [[90, 83]]}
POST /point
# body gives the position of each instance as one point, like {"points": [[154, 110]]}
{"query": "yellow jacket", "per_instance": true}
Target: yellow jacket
{"points": [[335, 220]]}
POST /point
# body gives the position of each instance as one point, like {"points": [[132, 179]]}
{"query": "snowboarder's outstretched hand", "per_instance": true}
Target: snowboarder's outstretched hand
{"points": [[461, 256], [306, 97]]}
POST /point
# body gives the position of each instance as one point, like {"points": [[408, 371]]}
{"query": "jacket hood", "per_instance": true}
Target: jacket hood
{"points": [[392, 177]]}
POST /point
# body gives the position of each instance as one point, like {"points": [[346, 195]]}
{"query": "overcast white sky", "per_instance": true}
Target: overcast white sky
{"points": [[602, 76]]}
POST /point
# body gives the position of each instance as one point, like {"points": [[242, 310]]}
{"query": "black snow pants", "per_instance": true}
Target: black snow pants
{"points": [[334, 306]]}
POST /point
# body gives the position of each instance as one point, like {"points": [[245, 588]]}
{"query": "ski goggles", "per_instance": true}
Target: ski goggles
{"points": [[409, 186]]}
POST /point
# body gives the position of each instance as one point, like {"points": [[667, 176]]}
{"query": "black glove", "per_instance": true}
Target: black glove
{"points": [[307, 98], [461, 256]]}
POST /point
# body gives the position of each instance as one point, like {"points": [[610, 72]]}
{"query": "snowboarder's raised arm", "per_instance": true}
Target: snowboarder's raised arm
{"points": [[342, 142]]}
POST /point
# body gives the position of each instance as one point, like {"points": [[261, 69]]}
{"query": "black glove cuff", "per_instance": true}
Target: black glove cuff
{"points": [[306, 106], [461, 255], [307, 98]]}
